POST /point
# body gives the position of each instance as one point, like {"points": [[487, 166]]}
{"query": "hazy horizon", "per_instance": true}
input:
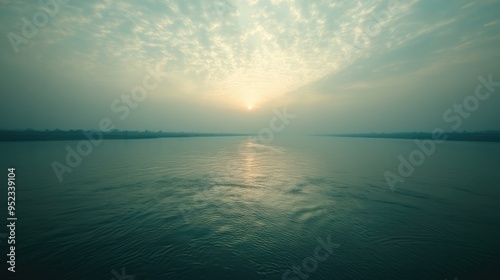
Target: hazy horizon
{"points": [[181, 131], [251, 139]]}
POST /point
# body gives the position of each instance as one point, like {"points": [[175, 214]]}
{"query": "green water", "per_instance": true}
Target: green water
{"points": [[231, 208]]}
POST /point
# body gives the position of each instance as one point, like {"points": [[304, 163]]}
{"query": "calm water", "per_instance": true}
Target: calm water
{"points": [[230, 208]]}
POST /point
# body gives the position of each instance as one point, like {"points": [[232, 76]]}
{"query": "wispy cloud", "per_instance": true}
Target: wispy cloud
{"points": [[235, 51]]}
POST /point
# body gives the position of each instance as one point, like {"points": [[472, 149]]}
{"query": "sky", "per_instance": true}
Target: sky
{"points": [[230, 65]]}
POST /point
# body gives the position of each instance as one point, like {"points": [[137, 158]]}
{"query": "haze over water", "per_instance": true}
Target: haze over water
{"points": [[232, 208], [295, 207]]}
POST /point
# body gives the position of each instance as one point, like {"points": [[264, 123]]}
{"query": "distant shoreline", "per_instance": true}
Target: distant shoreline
{"points": [[68, 135], [482, 136]]}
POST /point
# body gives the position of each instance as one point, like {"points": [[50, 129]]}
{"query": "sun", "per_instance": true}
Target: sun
{"points": [[250, 107]]}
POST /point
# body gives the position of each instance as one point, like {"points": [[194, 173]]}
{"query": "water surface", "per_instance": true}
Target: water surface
{"points": [[232, 208]]}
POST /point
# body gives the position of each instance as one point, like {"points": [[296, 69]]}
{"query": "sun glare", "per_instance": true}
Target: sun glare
{"points": [[249, 107]]}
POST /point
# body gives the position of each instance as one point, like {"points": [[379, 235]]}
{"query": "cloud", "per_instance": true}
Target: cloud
{"points": [[235, 52]]}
